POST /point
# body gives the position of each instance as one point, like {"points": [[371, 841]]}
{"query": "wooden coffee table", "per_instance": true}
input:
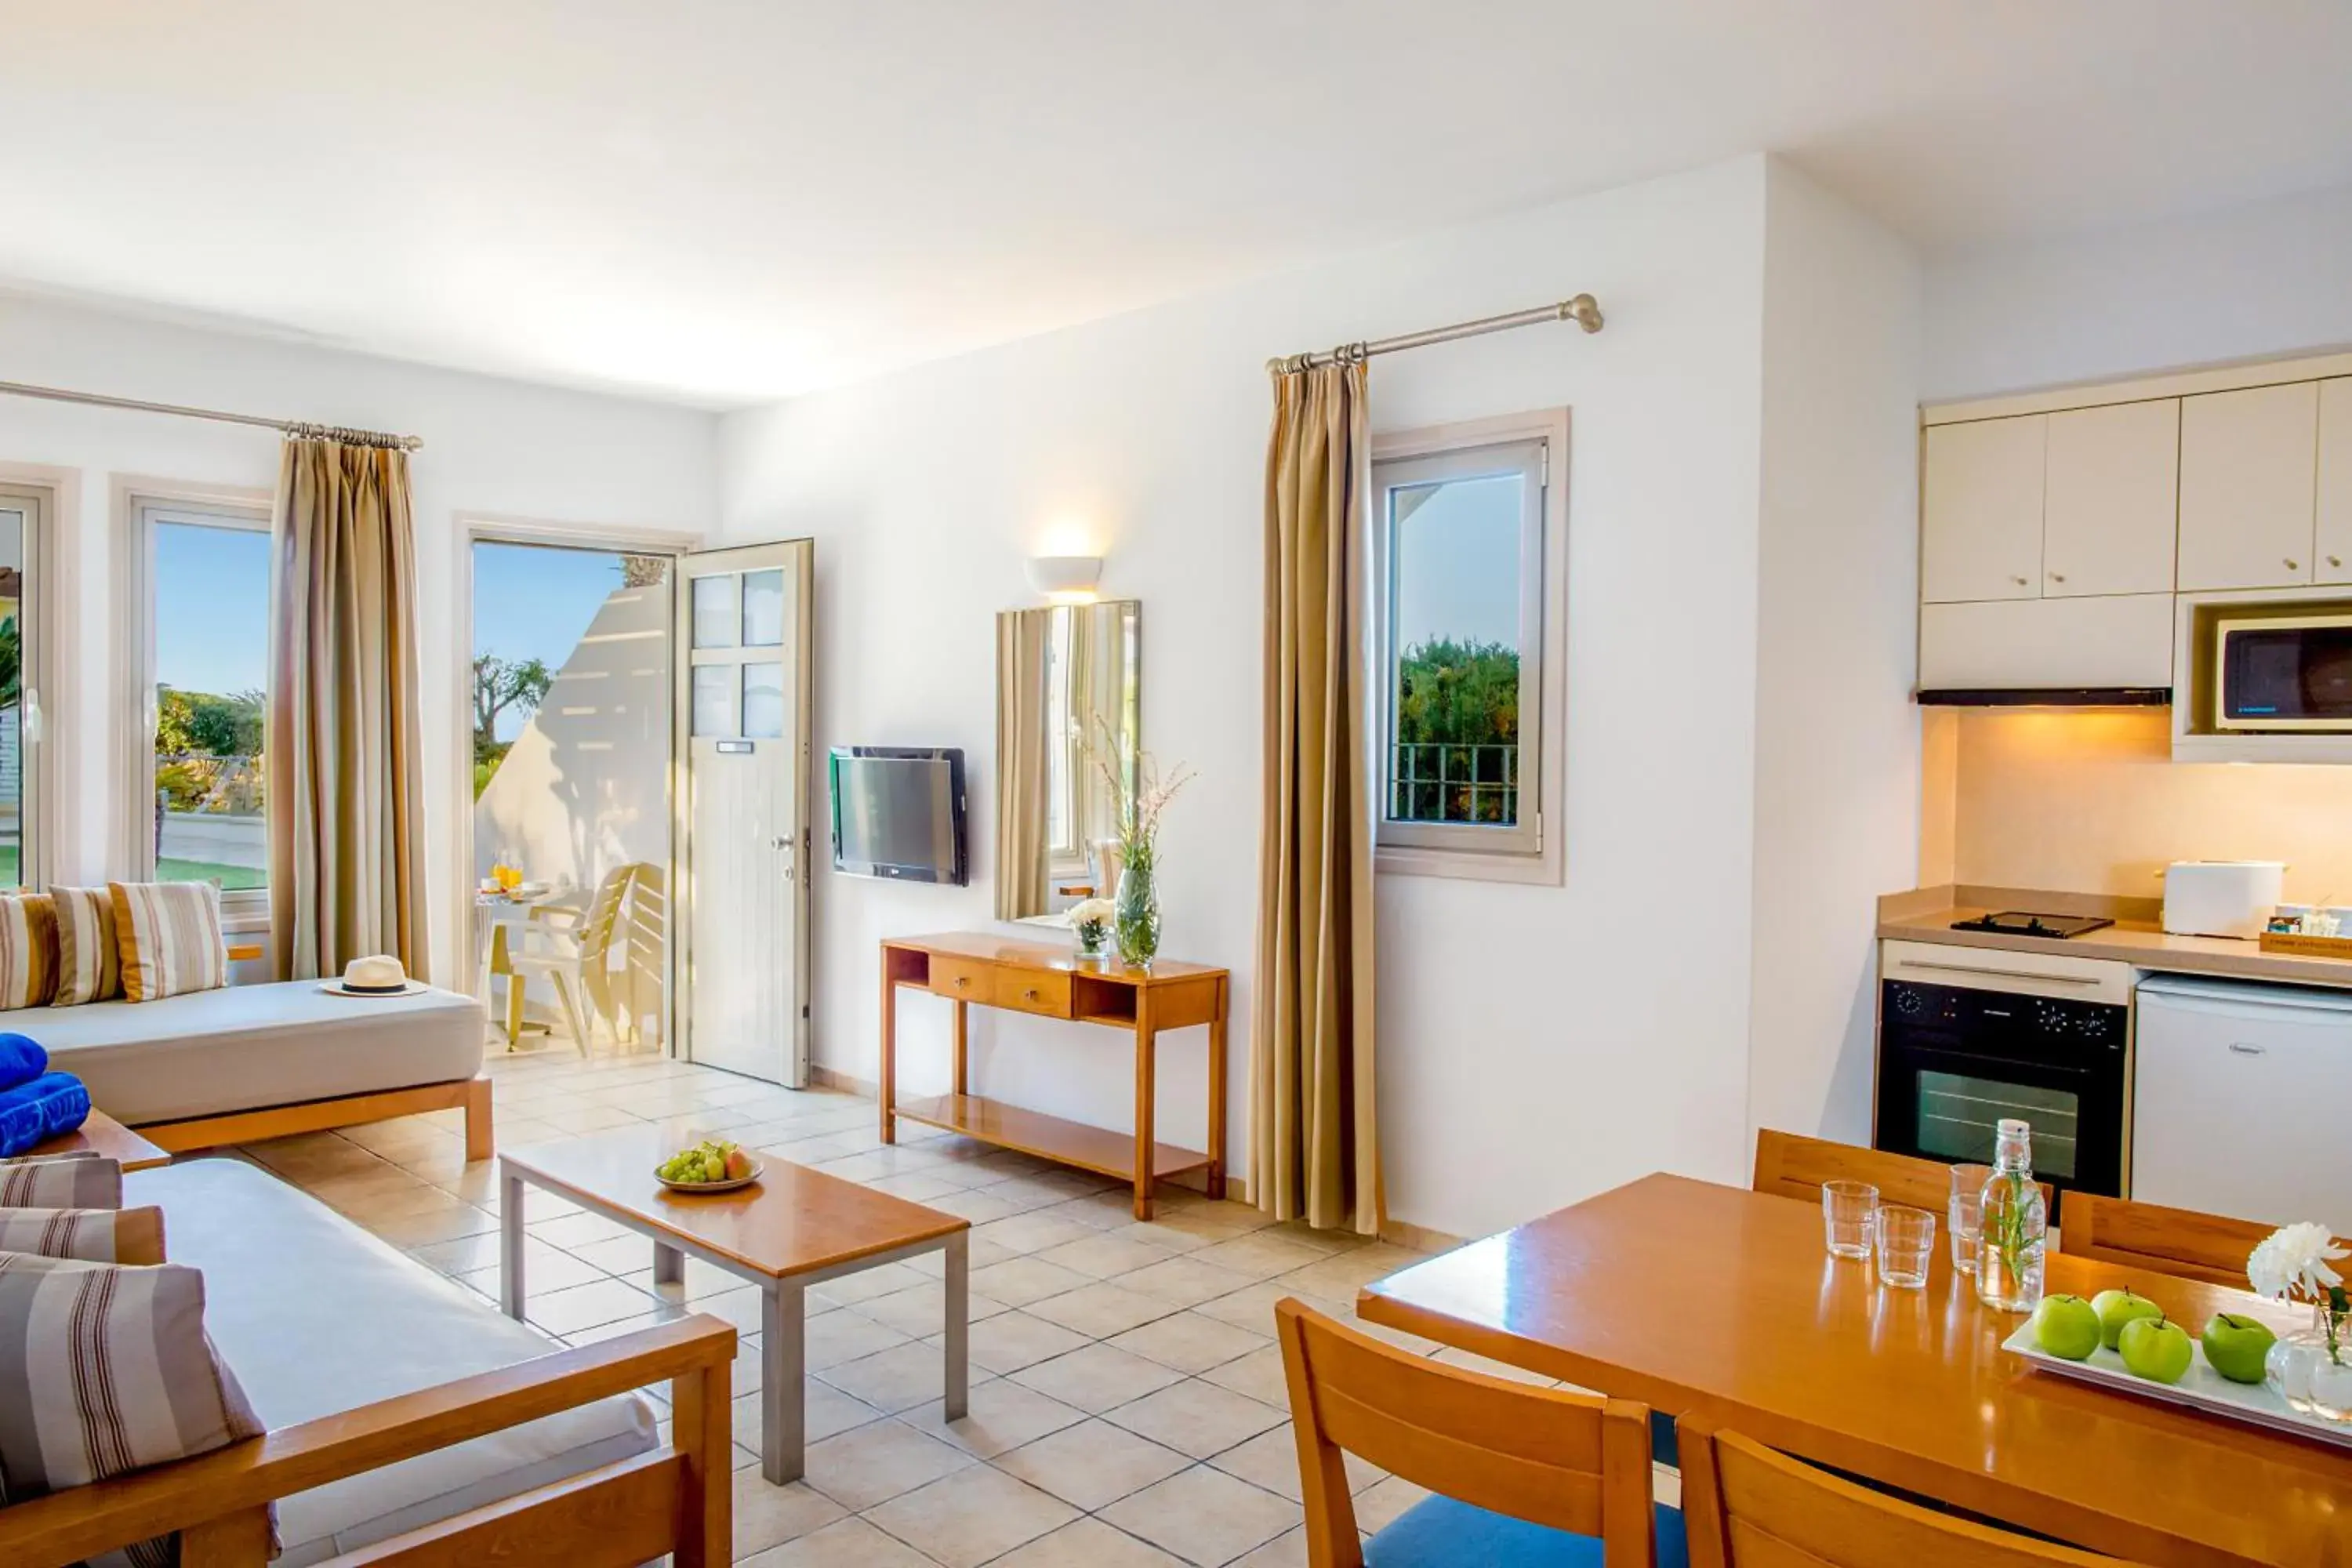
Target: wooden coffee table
{"points": [[792, 1228], [102, 1134]]}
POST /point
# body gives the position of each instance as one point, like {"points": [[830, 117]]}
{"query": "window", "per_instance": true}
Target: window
{"points": [[202, 586], [23, 529], [1468, 544]]}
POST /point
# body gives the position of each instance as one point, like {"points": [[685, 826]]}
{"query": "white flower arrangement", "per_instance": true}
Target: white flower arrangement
{"points": [[2293, 1260], [1093, 911]]}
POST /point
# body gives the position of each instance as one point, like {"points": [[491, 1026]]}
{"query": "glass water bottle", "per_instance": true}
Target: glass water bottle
{"points": [[2015, 1220]]}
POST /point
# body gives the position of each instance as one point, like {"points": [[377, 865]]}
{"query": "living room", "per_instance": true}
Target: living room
{"points": [[684, 343]]}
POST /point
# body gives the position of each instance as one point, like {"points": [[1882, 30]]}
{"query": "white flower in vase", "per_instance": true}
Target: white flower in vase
{"points": [[1092, 921], [2293, 1260]]}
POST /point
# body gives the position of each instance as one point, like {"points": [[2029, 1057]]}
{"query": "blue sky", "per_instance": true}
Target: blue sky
{"points": [[211, 608], [533, 601], [1457, 567]]}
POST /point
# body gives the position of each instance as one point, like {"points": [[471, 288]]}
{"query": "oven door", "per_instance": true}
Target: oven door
{"points": [[1937, 1102]]}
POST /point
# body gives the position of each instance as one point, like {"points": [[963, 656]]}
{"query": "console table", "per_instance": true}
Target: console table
{"points": [[1051, 982]]}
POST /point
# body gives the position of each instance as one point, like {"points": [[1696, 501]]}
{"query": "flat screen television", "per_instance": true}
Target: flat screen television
{"points": [[898, 812]]}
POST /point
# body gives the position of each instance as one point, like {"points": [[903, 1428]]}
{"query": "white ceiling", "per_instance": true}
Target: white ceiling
{"points": [[726, 201]]}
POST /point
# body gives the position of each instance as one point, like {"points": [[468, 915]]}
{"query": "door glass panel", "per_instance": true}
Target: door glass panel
{"points": [[1957, 1114], [763, 608], [714, 612], [763, 701], [714, 699]]}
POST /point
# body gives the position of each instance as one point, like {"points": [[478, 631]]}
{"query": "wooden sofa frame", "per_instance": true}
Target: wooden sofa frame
{"points": [[679, 1499], [471, 1095]]}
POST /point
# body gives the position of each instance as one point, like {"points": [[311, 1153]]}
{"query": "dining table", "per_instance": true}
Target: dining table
{"points": [[1697, 1298]]}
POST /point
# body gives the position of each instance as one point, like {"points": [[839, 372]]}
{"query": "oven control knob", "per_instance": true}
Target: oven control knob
{"points": [[1909, 1003]]}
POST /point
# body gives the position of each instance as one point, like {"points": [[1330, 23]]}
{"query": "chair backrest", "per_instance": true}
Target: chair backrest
{"points": [[1791, 1166], [1574, 1462], [1745, 1506], [2180, 1242], [604, 912]]}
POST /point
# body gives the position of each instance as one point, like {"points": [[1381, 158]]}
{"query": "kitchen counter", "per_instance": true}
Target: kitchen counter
{"points": [[2137, 937]]}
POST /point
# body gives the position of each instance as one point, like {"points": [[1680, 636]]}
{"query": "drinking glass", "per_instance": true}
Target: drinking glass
{"points": [[1965, 1220], [1846, 1211], [1906, 1239]]}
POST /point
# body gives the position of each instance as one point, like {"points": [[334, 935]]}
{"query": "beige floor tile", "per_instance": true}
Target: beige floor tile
{"points": [[1189, 1341], [975, 1205], [584, 1306], [1378, 1505], [578, 1228], [879, 1280], [1343, 1274], [899, 1378], [844, 1543], [1021, 1280], [921, 1309], [557, 1270], [1287, 1550], [867, 1466], [1033, 1233], [1185, 1281], [1257, 1374], [740, 1306], [1092, 1464], [1103, 1257], [768, 1515], [1253, 1308], [1001, 1415], [825, 1412], [915, 1186], [1270, 1460], [440, 1224], [1197, 1418], [1087, 1544], [968, 1518], [1010, 1341], [1262, 1255], [835, 1339], [1095, 1378], [1101, 1309], [1204, 1515]]}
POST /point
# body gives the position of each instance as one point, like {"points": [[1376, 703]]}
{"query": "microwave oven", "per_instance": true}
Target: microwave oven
{"points": [[2284, 673]]}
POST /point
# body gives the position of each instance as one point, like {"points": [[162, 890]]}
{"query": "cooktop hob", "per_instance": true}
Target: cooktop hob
{"points": [[2023, 922]]}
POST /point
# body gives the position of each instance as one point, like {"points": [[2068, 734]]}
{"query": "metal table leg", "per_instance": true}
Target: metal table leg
{"points": [[783, 1324], [959, 1324], [669, 1264], [511, 1286]]}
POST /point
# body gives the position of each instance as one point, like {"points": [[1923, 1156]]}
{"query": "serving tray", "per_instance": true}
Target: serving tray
{"points": [[2200, 1388], [731, 1185]]}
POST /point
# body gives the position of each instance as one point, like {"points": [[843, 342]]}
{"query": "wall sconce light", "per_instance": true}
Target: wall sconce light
{"points": [[1066, 579]]}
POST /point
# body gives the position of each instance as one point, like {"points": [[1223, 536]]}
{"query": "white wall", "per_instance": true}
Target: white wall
{"points": [[1837, 753], [1537, 1043], [2264, 279], [492, 447]]}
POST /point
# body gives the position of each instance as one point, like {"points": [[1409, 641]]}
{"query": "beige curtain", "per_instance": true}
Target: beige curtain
{"points": [[1022, 778], [345, 793], [1314, 1131]]}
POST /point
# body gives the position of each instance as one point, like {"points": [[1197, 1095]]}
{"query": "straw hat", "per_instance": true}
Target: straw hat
{"points": [[380, 974]]}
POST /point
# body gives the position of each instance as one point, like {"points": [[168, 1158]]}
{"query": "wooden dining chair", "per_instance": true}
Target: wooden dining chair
{"points": [[2180, 1242], [1746, 1506], [1536, 1478], [1791, 1166]]}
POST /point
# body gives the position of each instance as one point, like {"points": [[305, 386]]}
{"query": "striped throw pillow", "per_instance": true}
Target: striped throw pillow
{"points": [[170, 937], [82, 1181], [94, 1235], [28, 950], [113, 1373], [89, 964]]}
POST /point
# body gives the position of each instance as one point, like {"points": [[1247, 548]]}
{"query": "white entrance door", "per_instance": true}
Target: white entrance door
{"points": [[741, 890]]}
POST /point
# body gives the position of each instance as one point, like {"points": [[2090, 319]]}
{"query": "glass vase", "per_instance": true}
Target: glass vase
{"points": [[2311, 1369], [1138, 915], [1094, 938]]}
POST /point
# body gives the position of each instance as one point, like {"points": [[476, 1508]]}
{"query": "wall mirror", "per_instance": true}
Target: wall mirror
{"points": [[1069, 685]]}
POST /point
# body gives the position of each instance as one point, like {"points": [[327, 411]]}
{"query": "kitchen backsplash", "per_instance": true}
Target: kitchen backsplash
{"points": [[2092, 802]]}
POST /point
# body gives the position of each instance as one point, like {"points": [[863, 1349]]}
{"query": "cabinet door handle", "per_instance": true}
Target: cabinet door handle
{"points": [[2291, 566], [2021, 582], [2243, 1050], [2057, 577], [2336, 561]]}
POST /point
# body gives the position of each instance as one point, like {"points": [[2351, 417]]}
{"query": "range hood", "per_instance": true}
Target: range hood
{"points": [[2046, 697]]}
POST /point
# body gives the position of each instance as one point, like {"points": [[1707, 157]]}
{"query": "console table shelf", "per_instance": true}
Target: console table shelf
{"points": [[1048, 981]]}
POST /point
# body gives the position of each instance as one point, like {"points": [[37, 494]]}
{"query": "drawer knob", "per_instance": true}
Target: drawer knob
{"points": [[962, 980], [1030, 995]]}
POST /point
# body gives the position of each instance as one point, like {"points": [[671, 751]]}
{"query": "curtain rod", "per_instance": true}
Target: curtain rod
{"points": [[1584, 309], [285, 426]]}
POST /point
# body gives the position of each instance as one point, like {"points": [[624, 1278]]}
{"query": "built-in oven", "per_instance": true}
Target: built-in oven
{"points": [[1968, 1036]]}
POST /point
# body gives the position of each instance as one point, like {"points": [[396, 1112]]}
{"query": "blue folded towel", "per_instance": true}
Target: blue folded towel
{"points": [[21, 1061], [32, 1113]]}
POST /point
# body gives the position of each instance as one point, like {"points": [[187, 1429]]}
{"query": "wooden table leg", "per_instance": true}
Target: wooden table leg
{"points": [[888, 1092], [1145, 1083], [1217, 1094], [963, 1026]]}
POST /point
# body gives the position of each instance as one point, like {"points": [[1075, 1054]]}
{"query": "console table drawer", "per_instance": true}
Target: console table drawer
{"points": [[1041, 991], [965, 979]]}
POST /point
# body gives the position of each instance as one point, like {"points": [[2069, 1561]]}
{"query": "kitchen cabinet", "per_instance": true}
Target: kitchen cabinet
{"points": [[2118, 639], [2248, 484], [2110, 499], [2331, 547], [1980, 526]]}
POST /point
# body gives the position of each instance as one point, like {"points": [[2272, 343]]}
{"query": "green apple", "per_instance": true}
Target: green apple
{"points": [[2066, 1326], [2236, 1347], [2155, 1349], [2116, 1308]]}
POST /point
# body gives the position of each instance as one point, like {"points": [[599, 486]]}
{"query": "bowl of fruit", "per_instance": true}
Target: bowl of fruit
{"points": [[710, 1166]]}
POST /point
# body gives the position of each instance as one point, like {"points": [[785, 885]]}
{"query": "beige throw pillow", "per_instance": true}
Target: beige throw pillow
{"points": [[28, 950], [170, 937], [89, 964]]}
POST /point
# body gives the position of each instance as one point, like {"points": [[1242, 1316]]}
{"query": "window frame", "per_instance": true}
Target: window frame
{"points": [[36, 700], [138, 508], [1532, 851]]}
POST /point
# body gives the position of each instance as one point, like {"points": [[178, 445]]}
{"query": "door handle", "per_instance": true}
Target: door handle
{"points": [[2002, 974]]}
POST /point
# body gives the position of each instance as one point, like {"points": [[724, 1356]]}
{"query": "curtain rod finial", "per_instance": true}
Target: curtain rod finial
{"points": [[1584, 311]]}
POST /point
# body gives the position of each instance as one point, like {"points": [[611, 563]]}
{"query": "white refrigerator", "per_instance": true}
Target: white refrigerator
{"points": [[2242, 1100]]}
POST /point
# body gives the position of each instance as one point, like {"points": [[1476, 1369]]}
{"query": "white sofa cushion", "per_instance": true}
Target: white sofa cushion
{"points": [[316, 1317], [244, 1048]]}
